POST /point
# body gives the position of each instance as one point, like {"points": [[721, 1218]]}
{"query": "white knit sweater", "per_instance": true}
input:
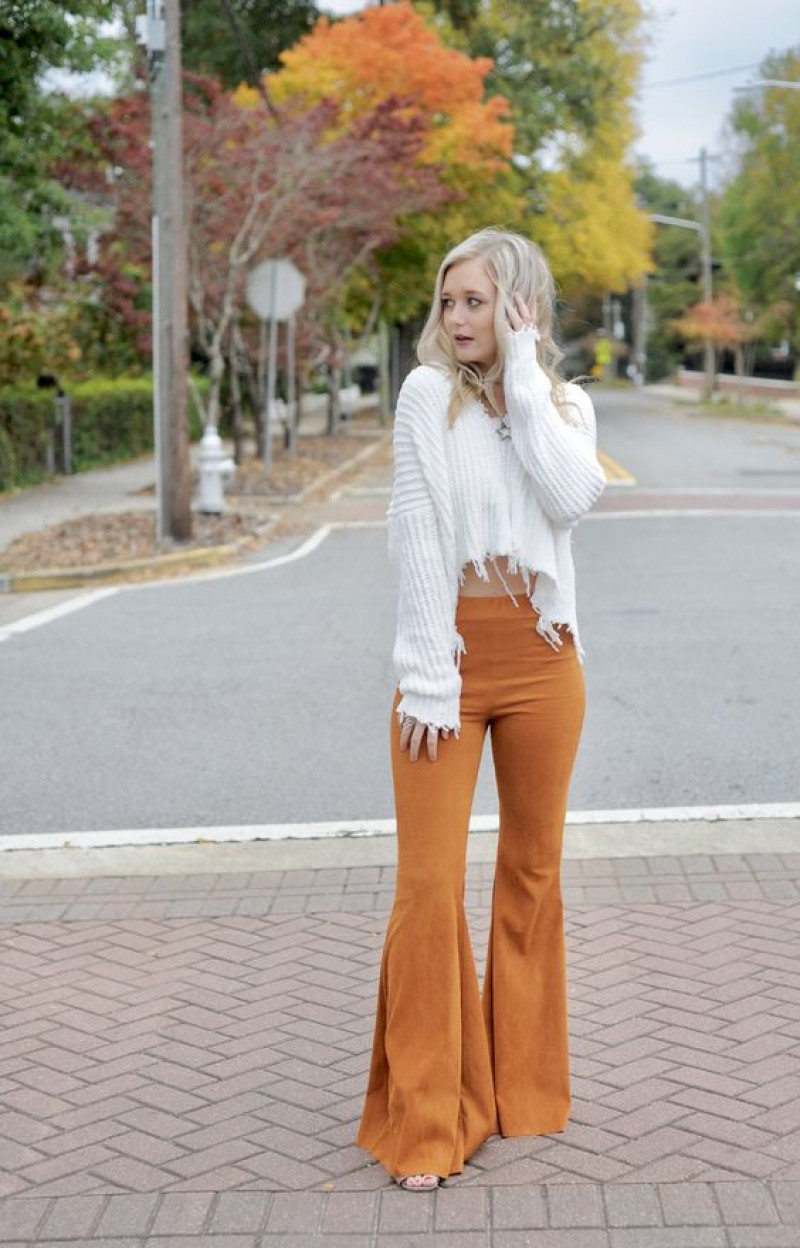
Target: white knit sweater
{"points": [[466, 494]]}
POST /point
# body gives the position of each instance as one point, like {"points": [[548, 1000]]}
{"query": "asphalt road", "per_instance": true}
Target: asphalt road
{"points": [[266, 698]]}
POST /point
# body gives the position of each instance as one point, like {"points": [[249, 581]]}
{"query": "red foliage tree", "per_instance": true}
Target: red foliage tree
{"points": [[257, 186]]}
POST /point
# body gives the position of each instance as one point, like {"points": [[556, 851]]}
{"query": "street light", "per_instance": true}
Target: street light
{"points": [[709, 363]]}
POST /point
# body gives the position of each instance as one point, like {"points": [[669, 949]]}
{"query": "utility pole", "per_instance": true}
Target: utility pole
{"points": [[709, 354], [639, 315], [159, 29], [703, 228]]}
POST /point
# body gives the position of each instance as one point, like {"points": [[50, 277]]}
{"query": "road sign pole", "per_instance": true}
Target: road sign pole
{"points": [[275, 291], [269, 398], [290, 384]]}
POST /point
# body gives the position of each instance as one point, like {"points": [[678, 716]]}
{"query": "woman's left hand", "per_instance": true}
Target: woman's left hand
{"points": [[519, 314]]}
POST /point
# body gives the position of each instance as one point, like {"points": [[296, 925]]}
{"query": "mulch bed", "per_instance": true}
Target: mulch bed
{"points": [[315, 456], [114, 538], [251, 499]]}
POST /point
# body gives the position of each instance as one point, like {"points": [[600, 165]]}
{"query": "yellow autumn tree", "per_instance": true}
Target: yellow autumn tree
{"points": [[570, 73], [593, 234]]}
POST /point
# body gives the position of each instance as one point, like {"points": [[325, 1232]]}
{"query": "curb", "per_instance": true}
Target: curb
{"points": [[66, 578], [187, 851], [762, 406]]}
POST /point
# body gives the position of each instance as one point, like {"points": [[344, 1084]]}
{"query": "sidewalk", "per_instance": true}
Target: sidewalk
{"points": [[186, 1051]]}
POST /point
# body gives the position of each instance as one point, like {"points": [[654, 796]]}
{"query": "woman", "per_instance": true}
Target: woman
{"points": [[494, 456]]}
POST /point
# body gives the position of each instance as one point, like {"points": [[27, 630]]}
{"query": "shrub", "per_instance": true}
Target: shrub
{"points": [[112, 419], [8, 461]]}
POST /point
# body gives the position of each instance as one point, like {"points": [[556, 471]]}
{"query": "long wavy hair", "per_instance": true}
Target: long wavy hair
{"points": [[513, 263]]}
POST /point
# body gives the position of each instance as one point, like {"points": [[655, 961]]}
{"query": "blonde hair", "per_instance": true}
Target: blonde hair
{"points": [[513, 263]]}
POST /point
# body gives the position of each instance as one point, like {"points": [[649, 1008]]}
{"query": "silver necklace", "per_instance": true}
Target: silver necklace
{"points": [[501, 425]]}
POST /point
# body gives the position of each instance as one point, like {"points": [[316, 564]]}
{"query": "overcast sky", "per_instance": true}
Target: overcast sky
{"points": [[694, 37]]}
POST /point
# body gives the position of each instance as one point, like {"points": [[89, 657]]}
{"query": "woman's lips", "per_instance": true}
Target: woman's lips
{"points": [[460, 338]]}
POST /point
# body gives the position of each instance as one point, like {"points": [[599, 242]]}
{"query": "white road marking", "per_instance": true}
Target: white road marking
{"points": [[49, 614], [86, 599], [683, 513], [732, 491], [354, 828]]}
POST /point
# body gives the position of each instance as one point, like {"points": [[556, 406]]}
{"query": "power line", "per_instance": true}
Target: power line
{"points": [[717, 73]]}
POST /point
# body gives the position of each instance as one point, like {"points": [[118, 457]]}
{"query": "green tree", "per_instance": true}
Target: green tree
{"points": [[237, 40], [569, 68], [37, 36], [676, 283], [760, 212]]}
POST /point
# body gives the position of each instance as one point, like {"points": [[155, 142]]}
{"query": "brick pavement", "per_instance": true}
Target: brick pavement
{"points": [[183, 1060]]}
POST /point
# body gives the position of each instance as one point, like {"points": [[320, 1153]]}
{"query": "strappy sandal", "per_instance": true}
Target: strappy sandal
{"points": [[409, 1185]]}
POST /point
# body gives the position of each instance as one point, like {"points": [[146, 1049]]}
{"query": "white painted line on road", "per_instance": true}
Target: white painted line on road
{"points": [[353, 828], [731, 491], [681, 814], [220, 574], [684, 513], [88, 598], [49, 614]]}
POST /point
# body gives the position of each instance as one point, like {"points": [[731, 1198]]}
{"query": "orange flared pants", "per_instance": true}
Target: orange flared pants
{"points": [[451, 1066]]}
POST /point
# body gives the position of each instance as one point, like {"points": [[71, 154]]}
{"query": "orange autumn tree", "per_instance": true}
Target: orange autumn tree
{"points": [[390, 52], [719, 323]]}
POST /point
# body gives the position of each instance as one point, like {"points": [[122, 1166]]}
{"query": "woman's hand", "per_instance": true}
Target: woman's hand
{"points": [[413, 731], [519, 314]]}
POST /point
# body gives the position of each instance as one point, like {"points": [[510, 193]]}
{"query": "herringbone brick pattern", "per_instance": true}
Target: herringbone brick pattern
{"points": [[588, 881], [183, 1077], [579, 1215]]}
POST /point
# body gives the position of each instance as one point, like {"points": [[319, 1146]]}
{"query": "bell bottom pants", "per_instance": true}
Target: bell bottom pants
{"points": [[451, 1066]]}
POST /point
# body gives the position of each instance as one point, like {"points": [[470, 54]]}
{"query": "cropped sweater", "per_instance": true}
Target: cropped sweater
{"points": [[465, 494]]}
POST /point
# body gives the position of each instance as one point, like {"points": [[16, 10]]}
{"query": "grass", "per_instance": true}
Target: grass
{"points": [[755, 410]]}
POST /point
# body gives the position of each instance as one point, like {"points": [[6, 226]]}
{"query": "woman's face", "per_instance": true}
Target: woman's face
{"points": [[468, 299]]}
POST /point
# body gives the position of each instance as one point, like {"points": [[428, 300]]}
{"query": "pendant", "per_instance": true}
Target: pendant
{"points": [[503, 428]]}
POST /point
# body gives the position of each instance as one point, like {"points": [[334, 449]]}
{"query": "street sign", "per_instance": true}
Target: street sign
{"points": [[276, 289]]}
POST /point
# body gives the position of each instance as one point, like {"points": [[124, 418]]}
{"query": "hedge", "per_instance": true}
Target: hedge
{"points": [[112, 419]]}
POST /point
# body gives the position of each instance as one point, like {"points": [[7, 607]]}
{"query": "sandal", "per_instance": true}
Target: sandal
{"points": [[418, 1183]]}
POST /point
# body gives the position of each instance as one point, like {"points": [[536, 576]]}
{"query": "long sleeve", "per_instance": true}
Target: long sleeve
{"points": [[425, 644], [561, 459]]}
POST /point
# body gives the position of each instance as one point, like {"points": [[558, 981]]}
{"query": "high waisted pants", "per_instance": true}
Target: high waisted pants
{"points": [[450, 1067]]}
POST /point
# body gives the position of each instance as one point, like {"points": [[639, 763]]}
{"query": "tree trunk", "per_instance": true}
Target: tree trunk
{"points": [[334, 402], [236, 393], [253, 393], [216, 373]]}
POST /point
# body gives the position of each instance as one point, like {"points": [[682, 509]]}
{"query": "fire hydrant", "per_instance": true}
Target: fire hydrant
{"points": [[212, 465]]}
